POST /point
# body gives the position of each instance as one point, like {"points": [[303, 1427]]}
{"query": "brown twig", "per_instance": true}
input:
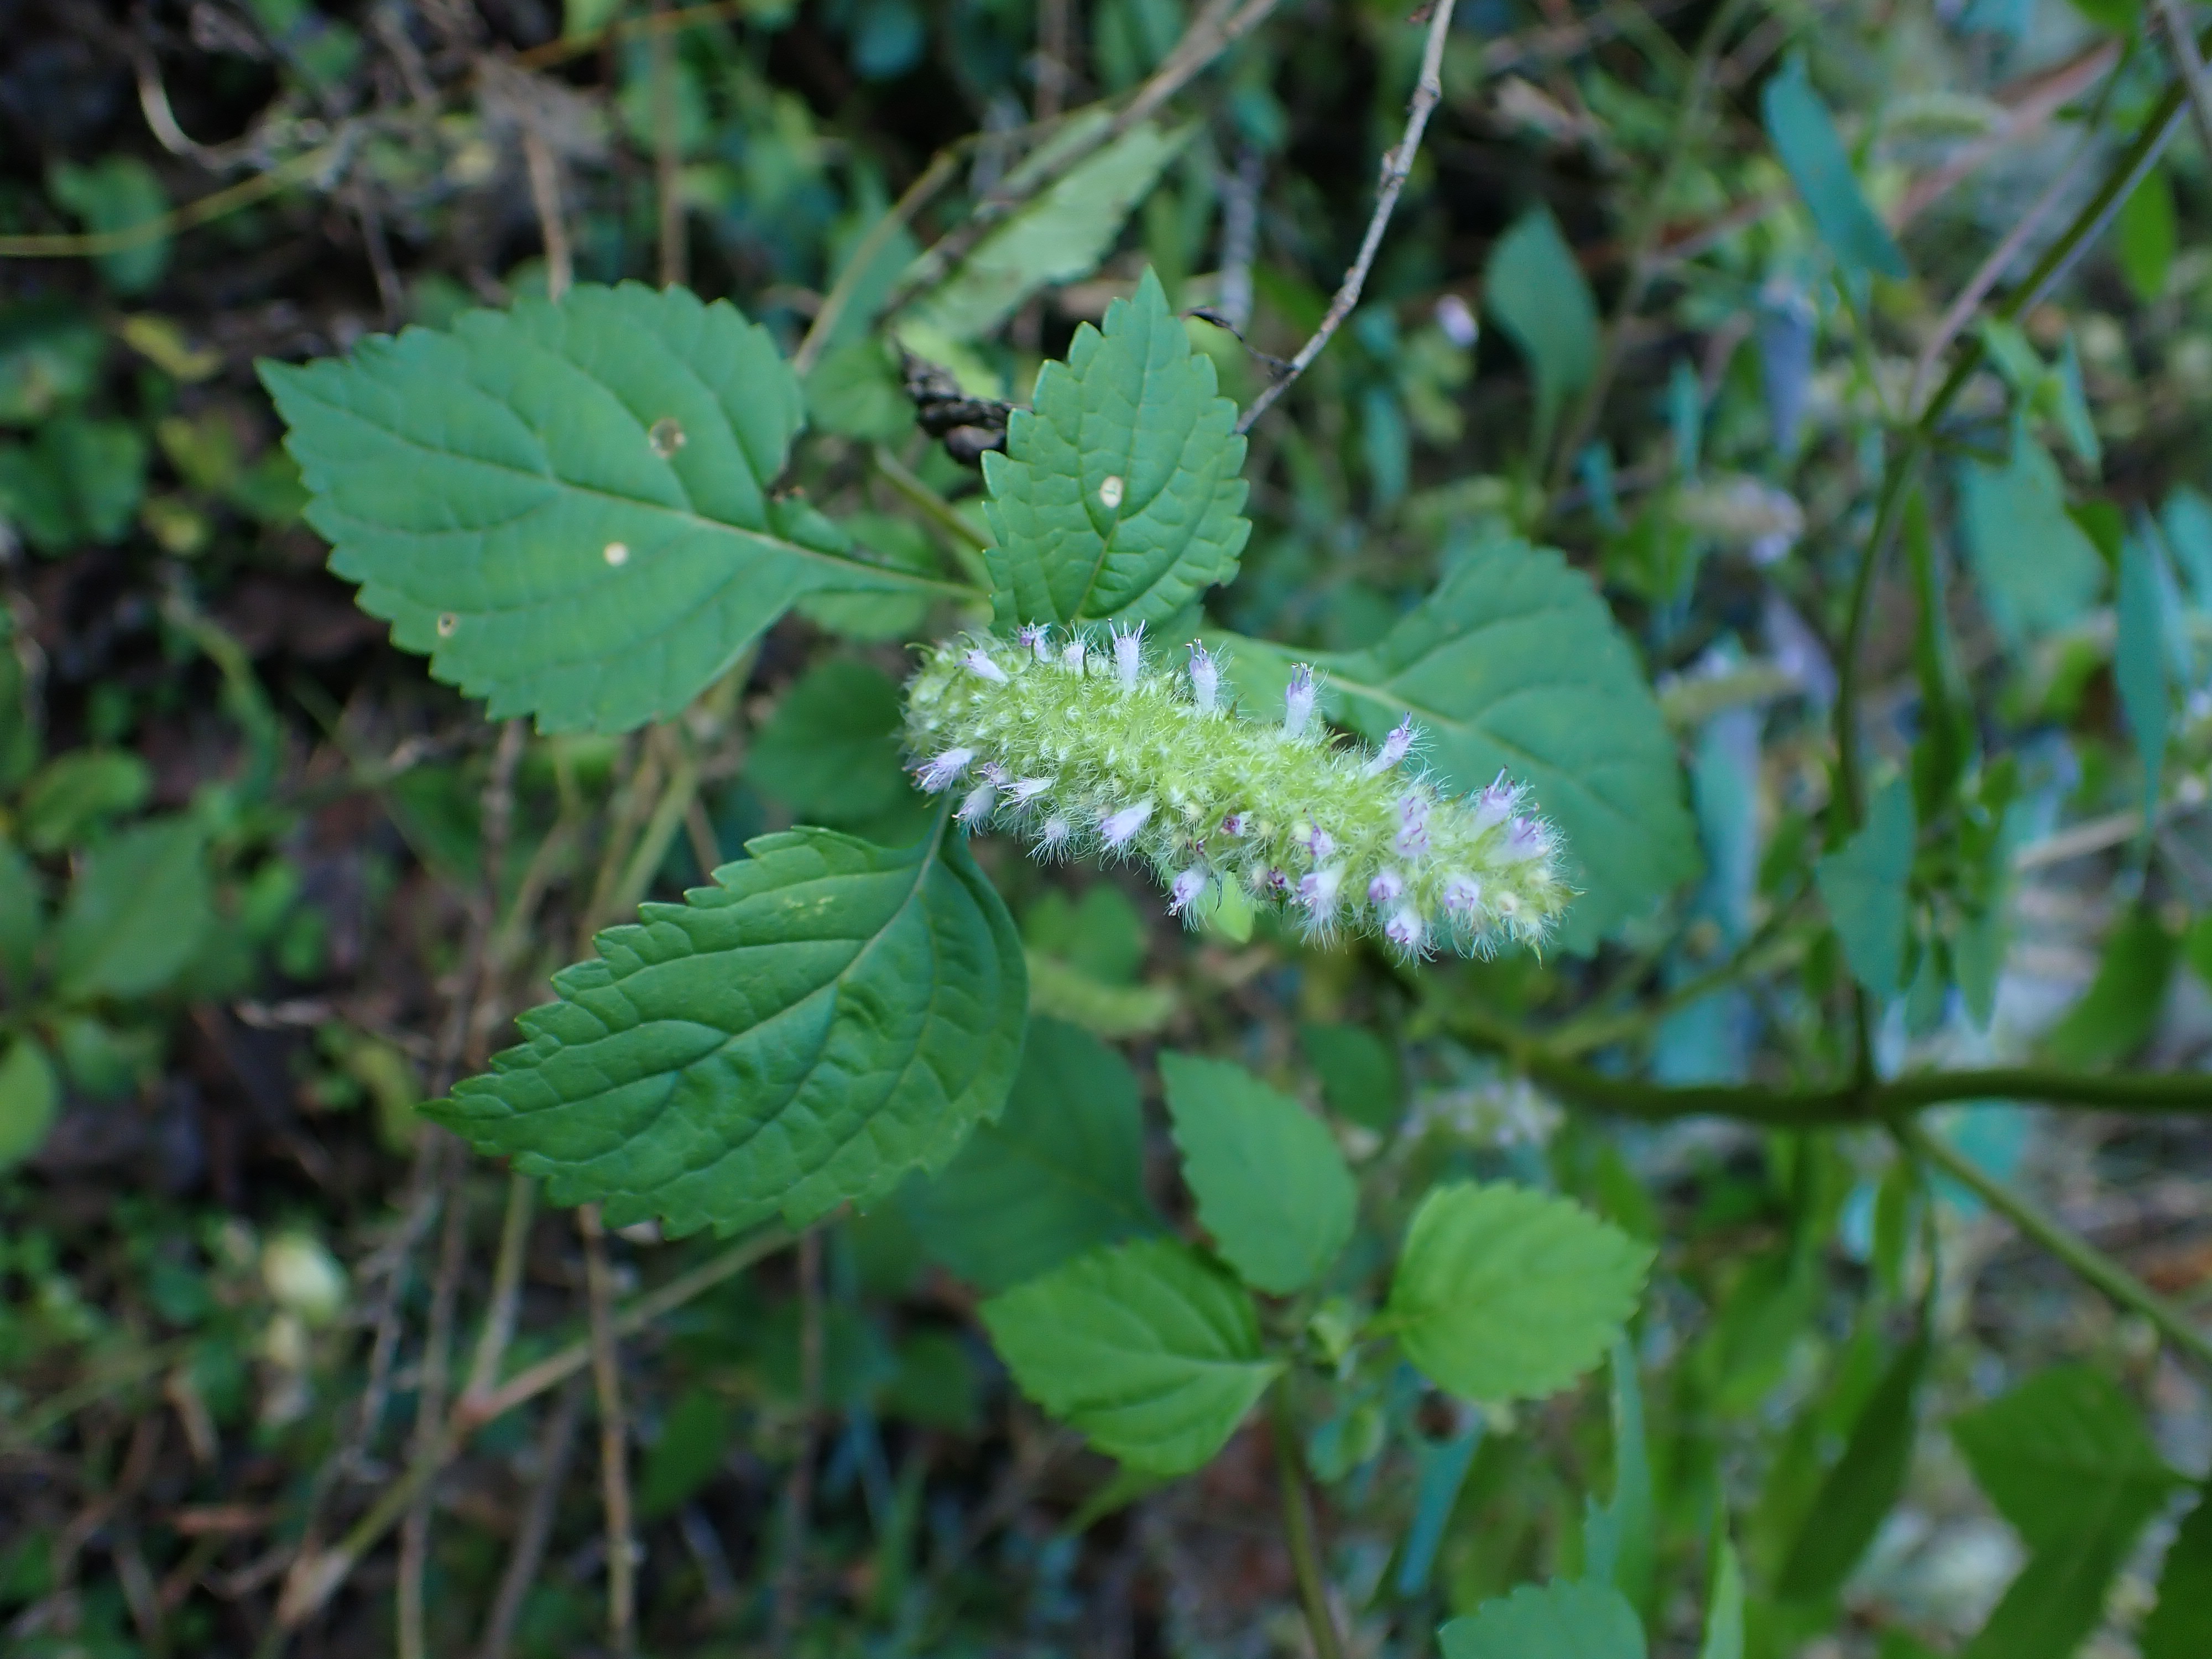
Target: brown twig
{"points": [[430, 1397], [798, 1493], [667, 155], [545, 197], [1427, 89], [556, 1449], [614, 1438], [506, 1287]]}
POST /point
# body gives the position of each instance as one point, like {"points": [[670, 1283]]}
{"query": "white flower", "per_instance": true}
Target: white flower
{"points": [[1121, 827], [941, 773]]}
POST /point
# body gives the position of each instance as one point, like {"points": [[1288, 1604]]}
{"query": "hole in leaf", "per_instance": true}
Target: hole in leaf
{"points": [[666, 435]]}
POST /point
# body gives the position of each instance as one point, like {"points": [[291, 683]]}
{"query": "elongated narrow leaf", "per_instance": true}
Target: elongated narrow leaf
{"points": [[1865, 1486], [1148, 1349], [1804, 135], [2036, 570], [830, 1016], [1863, 883], [1503, 1293], [2139, 662], [1723, 1637], [1271, 1188], [1118, 499], [566, 507], [1061, 1171], [1563, 1620], [2180, 1625], [1536, 291], [1618, 1542], [1059, 235], [1515, 665]]}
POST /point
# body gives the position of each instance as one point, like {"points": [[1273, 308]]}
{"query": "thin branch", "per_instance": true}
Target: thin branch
{"points": [[614, 1438], [2190, 63], [430, 1396], [1298, 1527], [1428, 88], [506, 1287], [545, 197], [556, 1449], [667, 155], [798, 1493], [2093, 1266], [938, 173]]}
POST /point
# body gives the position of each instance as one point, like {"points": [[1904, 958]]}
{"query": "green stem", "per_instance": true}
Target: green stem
{"points": [[959, 536], [2084, 1258], [1298, 1525]]}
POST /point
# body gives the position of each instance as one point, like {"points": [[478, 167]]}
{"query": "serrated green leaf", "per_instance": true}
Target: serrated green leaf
{"points": [[1059, 235], [2180, 1625], [1862, 884], [1563, 1620], [566, 507], [2117, 1013], [1118, 498], [828, 1017], [1148, 1349], [1865, 1486], [1272, 1190], [1060, 1172], [1537, 292], [2064, 1458], [2139, 663], [2036, 569], [137, 913], [830, 750], [1804, 135], [1503, 1293], [1515, 665], [28, 1097]]}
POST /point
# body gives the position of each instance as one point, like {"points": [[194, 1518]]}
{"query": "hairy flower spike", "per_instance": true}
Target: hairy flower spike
{"points": [[1140, 763]]}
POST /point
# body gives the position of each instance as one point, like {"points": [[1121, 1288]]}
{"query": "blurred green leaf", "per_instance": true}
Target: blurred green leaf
{"points": [[2139, 664], [50, 356], [2037, 570], [1148, 1349], [1618, 1545], [1723, 1637], [23, 919], [29, 1099], [1860, 1490], [1804, 135], [2064, 1458], [74, 793], [2180, 1623], [1536, 291], [1563, 1620], [2117, 1013], [1271, 1188], [1062, 1169], [1862, 884], [1502, 1294], [694, 1438], [830, 750], [1359, 1070], [116, 193], [935, 1385], [136, 912]]}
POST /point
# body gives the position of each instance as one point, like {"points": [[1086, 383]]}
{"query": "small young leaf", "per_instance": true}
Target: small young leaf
{"points": [[1804, 135], [1062, 1170], [136, 914], [1865, 1486], [2064, 1458], [28, 1096], [1119, 498], [566, 507], [1563, 1620], [1060, 235], [1536, 291], [2118, 1011], [1503, 1293], [1863, 883], [2037, 569], [2139, 661], [118, 192], [2180, 1625], [1150, 1350], [2149, 235], [1513, 663], [1272, 1191], [828, 1017]]}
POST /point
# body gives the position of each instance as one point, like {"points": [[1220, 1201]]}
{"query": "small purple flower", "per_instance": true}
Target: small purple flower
{"points": [[1319, 842], [1277, 882], [1204, 678], [1121, 826], [978, 663], [977, 807], [1405, 930], [1526, 839], [1052, 835], [1412, 823], [1494, 804], [1299, 701], [1186, 890], [1038, 638], [1318, 892], [1022, 791], [1385, 887], [1463, 897], [1233, 825], [1129, 655], [1395, 749], [945, 771], [1072, 654]]}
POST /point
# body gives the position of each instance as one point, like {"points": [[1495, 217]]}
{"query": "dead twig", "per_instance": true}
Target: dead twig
{"points": [[556, 1448], [614, 1438], [1427, 89]]}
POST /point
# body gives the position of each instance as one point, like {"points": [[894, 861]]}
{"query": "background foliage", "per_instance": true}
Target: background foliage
{"points": [[1770, 432]]}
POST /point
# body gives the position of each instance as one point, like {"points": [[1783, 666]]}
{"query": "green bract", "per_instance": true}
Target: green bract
{"points": [[826, 1018], [1086, 751]]}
